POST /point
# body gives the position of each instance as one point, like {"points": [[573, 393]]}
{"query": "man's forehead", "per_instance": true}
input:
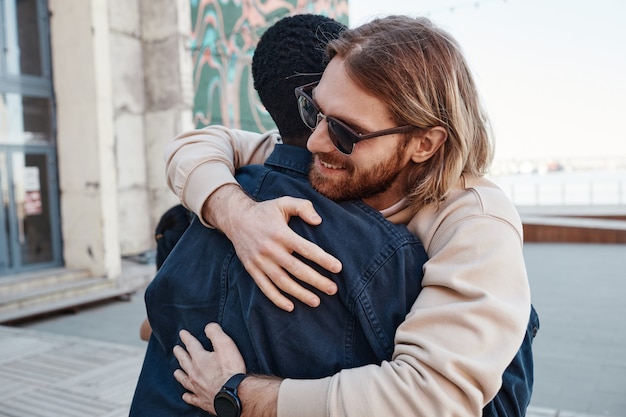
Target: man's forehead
{"points": [[339, 96]]}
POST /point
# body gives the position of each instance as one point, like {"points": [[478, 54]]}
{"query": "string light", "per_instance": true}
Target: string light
{"points": [[428, 13], [455, 7]]}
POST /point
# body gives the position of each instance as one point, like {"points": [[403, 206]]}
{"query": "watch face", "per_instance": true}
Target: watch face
{"points": [[227, 405]]}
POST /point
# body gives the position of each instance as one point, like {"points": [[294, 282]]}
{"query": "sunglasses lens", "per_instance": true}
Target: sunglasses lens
{"points": [[308, 112], [341, 138]]}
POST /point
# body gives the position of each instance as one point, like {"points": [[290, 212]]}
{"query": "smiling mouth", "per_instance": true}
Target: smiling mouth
{"points": [[330, 166]]}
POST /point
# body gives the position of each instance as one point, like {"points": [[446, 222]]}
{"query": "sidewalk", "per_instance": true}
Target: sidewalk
{"points": [[580, 350], [48, 375], [68, 364]]}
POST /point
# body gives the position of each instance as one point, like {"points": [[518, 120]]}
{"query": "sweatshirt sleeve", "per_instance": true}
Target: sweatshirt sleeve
{"points": [[460, 335], [198, 162]]}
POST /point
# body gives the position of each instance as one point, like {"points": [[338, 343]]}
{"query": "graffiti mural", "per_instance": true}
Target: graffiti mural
{"points": [[224, 34]]}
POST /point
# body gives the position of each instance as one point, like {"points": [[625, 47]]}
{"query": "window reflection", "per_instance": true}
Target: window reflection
{"points": [[35, 234], [5, 242], [22, 41], [37, 119], [29, 235], [25, 120]]}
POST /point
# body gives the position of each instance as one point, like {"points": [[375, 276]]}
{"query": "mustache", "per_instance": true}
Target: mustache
{"points": [[334, 158]]}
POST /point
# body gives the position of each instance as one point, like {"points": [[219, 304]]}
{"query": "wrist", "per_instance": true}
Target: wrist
{"points": [[227, 402], [259, 396], [223, 205]]}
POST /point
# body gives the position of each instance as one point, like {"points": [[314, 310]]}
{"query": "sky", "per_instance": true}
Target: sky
{"points": [[552, 73]]}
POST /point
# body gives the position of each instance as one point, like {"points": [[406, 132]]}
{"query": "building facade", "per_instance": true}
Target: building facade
{"points": [[91, 92]]}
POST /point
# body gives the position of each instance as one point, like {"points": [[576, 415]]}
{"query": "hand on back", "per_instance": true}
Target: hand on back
{"points": [[265, 244]]}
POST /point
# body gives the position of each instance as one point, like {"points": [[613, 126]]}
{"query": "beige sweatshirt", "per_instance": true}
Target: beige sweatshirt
{"points": [[462, 331]]}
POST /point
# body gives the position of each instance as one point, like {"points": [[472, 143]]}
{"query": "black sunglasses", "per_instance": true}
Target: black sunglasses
{"points": [[341, 135]]}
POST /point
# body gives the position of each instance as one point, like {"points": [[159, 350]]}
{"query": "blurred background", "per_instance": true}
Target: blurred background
{"points": [[551, 75], [92, 91]]}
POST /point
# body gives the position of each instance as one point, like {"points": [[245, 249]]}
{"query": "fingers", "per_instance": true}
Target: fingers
{"points": [[301, 208], [275, 277], [185, 355], [305, 210], [183, 358], [217, 336], [317, 255], [203, 372], [190, 397], [276, 297], [270, 290], [266, 248], [183, 379], [281, 279], [213, 331], [304, 272], [269, 271], [191, 343]]}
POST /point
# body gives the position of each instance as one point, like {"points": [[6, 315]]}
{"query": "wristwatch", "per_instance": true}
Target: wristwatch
{"points": [[226, 402]]}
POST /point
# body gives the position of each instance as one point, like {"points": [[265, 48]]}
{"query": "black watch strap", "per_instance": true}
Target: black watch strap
{"points": [[234, 381], [226, 401]]}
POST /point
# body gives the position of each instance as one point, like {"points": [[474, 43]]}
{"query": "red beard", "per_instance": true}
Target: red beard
{"points": [[353, 183]]}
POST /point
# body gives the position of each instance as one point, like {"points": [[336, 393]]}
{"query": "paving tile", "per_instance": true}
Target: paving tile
{"points": [[541, 412], [65, 376]]}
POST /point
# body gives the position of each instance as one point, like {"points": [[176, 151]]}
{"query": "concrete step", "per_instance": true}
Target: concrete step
{"points": [[21, 283], [27, 295]]}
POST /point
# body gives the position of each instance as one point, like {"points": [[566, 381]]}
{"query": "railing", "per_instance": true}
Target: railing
{"points": [[564, 190]]}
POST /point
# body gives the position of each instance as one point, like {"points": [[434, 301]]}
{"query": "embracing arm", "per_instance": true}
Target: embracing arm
{"points": [[454, 345], [450, 352], [200, 166], [200, 161], [204, 372]]}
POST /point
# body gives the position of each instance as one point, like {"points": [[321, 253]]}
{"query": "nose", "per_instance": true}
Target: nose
{"points": [[319, 141]]}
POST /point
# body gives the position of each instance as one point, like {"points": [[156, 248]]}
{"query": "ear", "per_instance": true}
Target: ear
{"points": [[427, 143]]}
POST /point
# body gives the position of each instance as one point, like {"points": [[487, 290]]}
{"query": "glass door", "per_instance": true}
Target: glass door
{"points": [[30, 228], [29, 215]]}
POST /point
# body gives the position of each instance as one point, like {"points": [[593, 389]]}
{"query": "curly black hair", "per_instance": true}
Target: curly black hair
{"points": [[289, 54]]}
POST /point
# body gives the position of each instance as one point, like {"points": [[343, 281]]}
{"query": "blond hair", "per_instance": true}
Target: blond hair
{"points": [[419, 72]]}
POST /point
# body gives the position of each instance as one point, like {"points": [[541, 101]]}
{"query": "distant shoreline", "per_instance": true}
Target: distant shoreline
{"points": [[565, 188]]}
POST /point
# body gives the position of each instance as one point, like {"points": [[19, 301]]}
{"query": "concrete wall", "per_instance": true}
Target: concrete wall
{"points": [[169, 90], [123, 81], [122, 85]]}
